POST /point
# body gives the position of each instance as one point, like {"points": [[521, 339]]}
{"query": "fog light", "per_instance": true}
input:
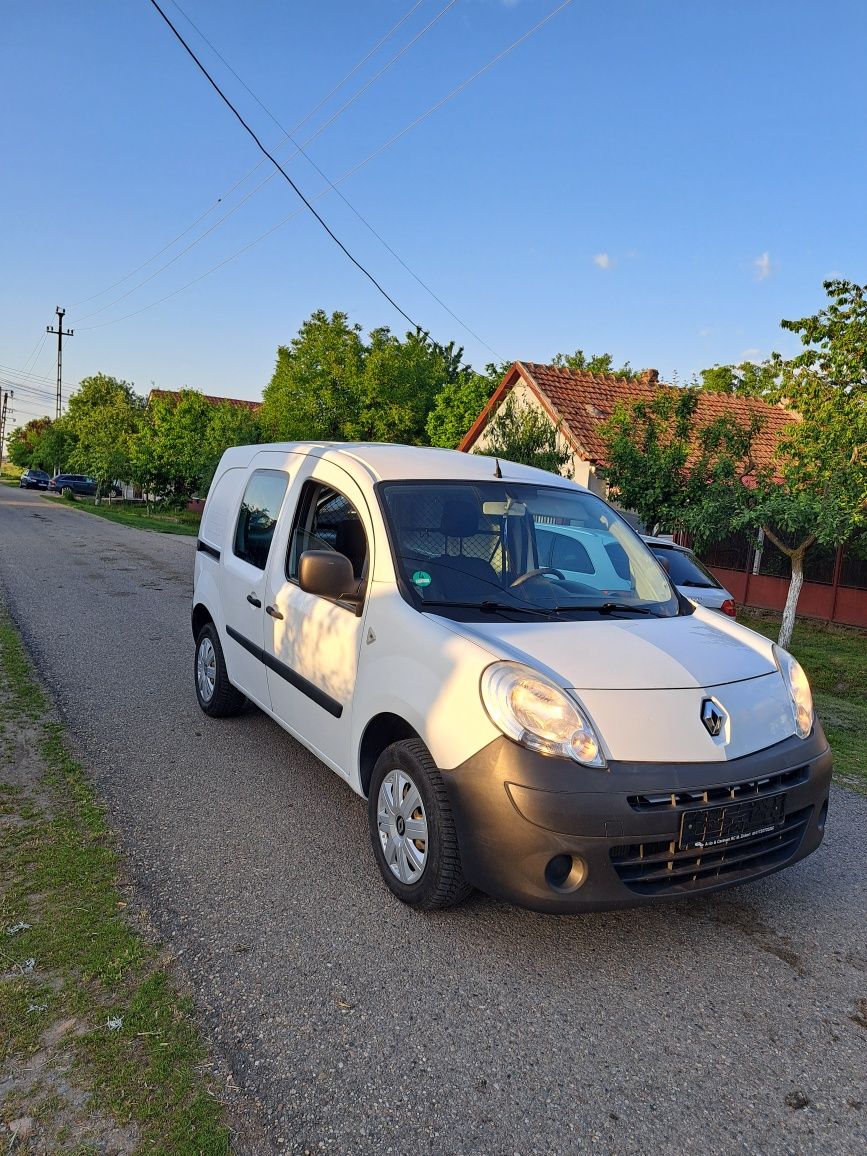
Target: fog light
{"points": [[565, 873]]}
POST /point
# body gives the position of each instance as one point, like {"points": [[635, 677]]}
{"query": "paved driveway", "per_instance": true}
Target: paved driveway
{"points": [[361, 1027]]}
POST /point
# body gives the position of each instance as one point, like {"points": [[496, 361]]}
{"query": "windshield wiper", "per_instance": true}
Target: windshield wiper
{"points": [[607, 608], [488, 606]]}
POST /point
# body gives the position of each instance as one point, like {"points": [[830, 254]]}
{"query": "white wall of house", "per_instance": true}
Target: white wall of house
{"points": [[582, 471]]}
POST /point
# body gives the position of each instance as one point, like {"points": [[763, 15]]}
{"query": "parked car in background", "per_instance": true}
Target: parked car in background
{"points": [[691, 578], [80, 484], [34, 480]]}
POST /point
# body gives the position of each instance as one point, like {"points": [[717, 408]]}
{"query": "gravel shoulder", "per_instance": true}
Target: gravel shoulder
{"points": [[733, 1023]]}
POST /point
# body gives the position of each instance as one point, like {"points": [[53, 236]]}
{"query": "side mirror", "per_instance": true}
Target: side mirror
{"points": [[328, 574]]}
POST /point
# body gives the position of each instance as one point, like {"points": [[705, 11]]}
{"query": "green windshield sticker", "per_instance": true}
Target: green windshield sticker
{"points": [[421, 578]]}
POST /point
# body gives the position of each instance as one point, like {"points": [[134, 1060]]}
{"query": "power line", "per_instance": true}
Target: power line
{"points": [[349, 173], [332, 186], [299, 149], [278, 166], [382, 40]]}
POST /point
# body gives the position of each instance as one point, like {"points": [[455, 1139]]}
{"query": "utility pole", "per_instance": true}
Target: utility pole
{"points": [[3, 408], [60, 336]]}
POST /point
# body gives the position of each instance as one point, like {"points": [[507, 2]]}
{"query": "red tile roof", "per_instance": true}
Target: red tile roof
{"points": [[173, 393], [583, 401]]}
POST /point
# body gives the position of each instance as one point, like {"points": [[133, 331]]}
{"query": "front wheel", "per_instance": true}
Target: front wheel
{"points": [[217, 697], [412, 828]]}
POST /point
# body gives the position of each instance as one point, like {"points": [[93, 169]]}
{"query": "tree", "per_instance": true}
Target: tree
{"points": [[228, 425], [171, 456], [704, 479], [103, 420], [749, 379], [400, 382], [459, 403], [316, 390], [648, 444], [596, 363], [523, 434], [25, 444]]}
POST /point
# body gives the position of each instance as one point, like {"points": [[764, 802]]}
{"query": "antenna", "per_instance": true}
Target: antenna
{"points": [[498, 473]]}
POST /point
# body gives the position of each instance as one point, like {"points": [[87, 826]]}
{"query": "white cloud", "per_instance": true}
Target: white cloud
{"points": [[602, 260], [762, 266], [750, 355], [705, 332]]}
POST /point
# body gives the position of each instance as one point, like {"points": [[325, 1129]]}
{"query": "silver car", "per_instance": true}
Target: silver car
{"points": [[691, 578]]}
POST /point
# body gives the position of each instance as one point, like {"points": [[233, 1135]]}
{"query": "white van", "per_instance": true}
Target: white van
{"points": [[557, 738]]}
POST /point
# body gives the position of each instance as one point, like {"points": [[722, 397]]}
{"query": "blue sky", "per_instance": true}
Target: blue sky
{"points": [[664, 180]]}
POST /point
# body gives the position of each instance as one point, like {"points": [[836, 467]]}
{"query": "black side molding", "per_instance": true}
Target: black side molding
{"points": [[205, 548], [291, 676]]}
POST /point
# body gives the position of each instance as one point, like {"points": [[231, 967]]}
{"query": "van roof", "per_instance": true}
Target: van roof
{"points": [[384, 461]]}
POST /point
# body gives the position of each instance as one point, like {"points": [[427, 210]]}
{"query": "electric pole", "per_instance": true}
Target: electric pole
{"points": [[3, 408], [60, 336]]}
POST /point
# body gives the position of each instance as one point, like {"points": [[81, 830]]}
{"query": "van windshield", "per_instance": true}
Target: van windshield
{"points": [[516, 549]]}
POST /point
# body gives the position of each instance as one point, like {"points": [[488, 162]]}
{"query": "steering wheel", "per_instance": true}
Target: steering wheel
{"points": [[538, 573]]}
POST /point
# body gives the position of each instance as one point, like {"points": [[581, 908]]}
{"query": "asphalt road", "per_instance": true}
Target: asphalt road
{"points": [[353, 1025]]}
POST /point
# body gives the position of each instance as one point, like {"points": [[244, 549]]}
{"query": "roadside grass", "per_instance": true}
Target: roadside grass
{"points": [[182, 522], [95, 1039], [835, 659]]}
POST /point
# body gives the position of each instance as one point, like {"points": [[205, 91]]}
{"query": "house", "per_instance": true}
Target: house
{"points": [[577, 403]]}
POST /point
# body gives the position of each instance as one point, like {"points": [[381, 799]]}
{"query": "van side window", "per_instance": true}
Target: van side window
{"points": [[257, 517], [326, 520]]}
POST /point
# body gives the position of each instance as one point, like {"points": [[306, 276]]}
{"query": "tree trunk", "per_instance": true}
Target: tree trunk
{"points": [[795, 584]]}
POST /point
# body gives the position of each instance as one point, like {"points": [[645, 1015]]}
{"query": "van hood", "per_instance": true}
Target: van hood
{"points": [[703, 649]]}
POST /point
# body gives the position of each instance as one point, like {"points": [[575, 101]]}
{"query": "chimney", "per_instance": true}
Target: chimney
{"points": [[649, 377]]}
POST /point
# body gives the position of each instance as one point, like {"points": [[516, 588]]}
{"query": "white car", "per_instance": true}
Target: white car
{"points": [[692, 579], [549, 736]]}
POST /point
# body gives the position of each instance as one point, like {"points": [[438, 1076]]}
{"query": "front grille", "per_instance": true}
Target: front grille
{"points": [[750, 789], [652, 868]]}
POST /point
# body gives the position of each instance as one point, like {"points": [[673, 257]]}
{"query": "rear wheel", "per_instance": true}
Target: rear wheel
{"points": [[217, 697], [412, 828]]}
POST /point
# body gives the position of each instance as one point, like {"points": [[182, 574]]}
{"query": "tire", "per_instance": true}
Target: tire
{"points": [[217, 697], [424, 872]]}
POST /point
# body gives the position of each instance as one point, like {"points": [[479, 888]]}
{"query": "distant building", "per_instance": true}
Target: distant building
{"points": [[578, 403]]}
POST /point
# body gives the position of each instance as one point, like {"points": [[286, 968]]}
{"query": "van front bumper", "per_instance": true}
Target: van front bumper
{"points": [[554, 836]]}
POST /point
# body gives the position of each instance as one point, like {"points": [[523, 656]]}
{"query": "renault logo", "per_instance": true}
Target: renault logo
{"points": [[713, 717]]}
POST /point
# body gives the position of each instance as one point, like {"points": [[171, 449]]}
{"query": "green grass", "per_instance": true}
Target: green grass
{"points": [[835, 659], [60, 873], [182, 522]]}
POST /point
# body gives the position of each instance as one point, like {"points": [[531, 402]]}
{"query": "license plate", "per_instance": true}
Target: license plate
{"points": [[720, 826]]}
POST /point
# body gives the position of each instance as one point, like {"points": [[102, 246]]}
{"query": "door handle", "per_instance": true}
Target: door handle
{"points": [[274, 612], [254, 601]]}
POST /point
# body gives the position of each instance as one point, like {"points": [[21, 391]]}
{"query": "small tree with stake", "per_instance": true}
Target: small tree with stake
{"points": [[704, 479]]}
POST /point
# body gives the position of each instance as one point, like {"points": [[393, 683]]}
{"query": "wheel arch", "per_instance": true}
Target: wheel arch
{"points": [[381, 731], [201, 614]]}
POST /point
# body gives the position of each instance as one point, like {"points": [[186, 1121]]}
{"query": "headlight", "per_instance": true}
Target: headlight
{"points": [[799, 690], [536, 713]]}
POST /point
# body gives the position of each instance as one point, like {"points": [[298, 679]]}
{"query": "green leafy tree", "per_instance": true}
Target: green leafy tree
{"points": [[522, 434], [400, 382], [704, 479], [648, 444], [228, 425], [103, 420], [171, 457], [749, 379], [459, 403], [25, 444], [596, 363], [316, 390]]}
